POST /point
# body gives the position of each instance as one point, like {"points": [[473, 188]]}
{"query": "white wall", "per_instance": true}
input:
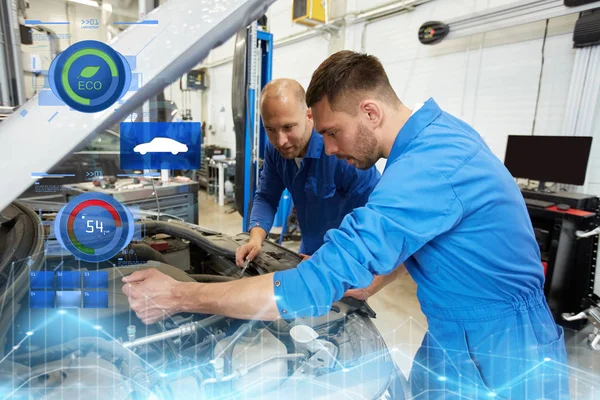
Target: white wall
{"points": [[593, 171], [296, 61], [490, 80], [299, 61], [220, 117]]}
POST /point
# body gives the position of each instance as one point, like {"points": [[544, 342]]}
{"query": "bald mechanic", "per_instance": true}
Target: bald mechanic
{"points": [[324, 188], [447, 208]]}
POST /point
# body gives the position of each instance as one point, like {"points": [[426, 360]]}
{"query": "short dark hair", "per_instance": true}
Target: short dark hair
{"points": [[345, 76]]}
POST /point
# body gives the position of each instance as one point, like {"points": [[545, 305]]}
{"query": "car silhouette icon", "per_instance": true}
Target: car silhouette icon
{"points": [[161, 145]]}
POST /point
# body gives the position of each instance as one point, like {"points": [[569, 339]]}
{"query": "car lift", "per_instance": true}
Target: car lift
{"points": [[259, 66]]}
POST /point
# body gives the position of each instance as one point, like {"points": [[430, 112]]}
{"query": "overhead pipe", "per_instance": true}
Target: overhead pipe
{"points": [[383, 11], [514, 14], [349, 19]]}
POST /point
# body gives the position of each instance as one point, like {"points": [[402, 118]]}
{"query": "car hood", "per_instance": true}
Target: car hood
{"points": [[184, 36]]}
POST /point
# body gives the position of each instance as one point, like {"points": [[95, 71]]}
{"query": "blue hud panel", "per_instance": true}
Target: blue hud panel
{"points": [[68, 280], [160, 145], [95, 280], [41, 280], [68, 299], [41, 299], [95, 299]]}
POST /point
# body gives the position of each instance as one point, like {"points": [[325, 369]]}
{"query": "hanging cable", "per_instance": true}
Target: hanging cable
{"points": [[537, 100]]}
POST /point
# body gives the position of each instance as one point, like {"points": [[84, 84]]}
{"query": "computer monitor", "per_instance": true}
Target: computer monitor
{"points": [[558, 159]]}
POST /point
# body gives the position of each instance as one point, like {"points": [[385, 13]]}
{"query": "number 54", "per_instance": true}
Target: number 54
{"points": [[90, 226]]}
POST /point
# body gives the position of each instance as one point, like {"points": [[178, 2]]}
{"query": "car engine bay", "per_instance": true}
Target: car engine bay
{"points": [[110, 353]]}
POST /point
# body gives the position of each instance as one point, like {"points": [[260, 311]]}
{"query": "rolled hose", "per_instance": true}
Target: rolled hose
{"points": [[183, 232]]}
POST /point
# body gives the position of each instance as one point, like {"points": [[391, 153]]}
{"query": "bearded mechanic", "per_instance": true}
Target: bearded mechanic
{"points": [[448, 209], [323, 188]]}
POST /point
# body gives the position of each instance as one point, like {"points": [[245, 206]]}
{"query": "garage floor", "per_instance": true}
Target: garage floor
{"points": [[399, 317]]}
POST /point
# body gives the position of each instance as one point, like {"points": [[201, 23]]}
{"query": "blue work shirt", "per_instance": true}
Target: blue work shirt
{"points": [[448, 208], [324, 190]]}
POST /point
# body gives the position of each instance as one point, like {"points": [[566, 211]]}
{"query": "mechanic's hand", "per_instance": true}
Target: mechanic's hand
{"points": [[360, 294], [247, 251], [151, 294], [379, 281], [304, 256]]}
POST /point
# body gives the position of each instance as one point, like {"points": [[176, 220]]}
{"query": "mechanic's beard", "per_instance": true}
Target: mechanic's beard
{"points": [[289, 155], [299, 148], [366, 148]]}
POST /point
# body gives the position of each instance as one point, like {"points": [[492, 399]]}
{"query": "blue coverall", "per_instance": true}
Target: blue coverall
{"points": [[448, 208], [324, 190]]}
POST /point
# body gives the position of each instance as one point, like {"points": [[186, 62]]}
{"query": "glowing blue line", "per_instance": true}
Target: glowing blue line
{"points": [[45, 175], [145, 22], [15, 348], [38, 22], [140, 175]]}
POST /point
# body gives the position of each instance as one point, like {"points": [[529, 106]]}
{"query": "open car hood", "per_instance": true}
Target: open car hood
{"points": [[58, 353], [186, 32]]}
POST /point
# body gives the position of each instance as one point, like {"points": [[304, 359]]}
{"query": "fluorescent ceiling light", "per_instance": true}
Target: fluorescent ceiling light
{"points": [[90, 3]]}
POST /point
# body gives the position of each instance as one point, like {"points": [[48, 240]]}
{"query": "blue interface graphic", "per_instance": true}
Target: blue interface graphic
{"points": [[41, 280], [68, 299], [70, 293], [89, 76], [160, 145], [68, 280], [95, 280], [95, 299], [41, 299], [94, 227]]}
